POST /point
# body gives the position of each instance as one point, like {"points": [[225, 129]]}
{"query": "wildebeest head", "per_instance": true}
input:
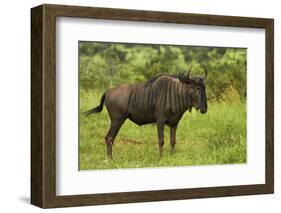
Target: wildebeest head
{"points": [[199, 97]]}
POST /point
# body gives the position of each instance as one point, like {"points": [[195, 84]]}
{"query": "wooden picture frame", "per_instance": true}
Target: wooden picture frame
{"points": [[43, 105]]}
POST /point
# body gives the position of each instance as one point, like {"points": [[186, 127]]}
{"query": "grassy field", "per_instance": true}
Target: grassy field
{"points": [[218, 137]]}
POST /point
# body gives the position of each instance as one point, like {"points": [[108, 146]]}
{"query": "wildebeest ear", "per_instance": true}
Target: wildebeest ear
{"points": [[188, 74], [206, 72]]}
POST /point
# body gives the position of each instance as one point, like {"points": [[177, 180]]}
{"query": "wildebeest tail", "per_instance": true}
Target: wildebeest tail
{"points": [[98, 108]]}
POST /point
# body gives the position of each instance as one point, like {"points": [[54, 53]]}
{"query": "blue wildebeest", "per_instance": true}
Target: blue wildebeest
{"points": [[162, 100]]}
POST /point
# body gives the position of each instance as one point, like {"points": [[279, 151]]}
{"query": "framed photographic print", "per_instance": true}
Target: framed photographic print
{"points": [[136, 106]]}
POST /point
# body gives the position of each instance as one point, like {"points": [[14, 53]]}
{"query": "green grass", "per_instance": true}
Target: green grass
{"points": [[217, 137]]}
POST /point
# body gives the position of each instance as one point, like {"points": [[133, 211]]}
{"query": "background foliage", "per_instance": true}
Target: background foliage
{"points": [[103, 65], [217, 137]]}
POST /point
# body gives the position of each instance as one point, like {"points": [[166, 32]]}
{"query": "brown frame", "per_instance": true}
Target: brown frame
{"points": [[43, 106]]}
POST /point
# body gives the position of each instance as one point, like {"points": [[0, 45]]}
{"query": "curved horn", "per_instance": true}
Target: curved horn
{"points": [[206, 71], [188, 74]]}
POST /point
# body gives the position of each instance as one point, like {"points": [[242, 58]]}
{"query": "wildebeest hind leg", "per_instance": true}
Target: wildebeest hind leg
{"points": [[110, 137]]}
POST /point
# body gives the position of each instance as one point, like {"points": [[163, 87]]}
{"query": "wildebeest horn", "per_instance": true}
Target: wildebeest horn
{"points": [[206, 71], [188, 74]]}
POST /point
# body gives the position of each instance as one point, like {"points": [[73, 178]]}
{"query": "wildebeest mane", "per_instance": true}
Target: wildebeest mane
{"points": [[167, 92], [181, 76]]}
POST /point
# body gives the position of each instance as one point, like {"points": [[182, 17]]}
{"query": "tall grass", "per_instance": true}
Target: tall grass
{"points": [[217, 137]]}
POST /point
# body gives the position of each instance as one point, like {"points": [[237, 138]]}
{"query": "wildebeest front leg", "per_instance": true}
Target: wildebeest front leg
{"points": [[160, 129], [173, 130], [109, 139]]}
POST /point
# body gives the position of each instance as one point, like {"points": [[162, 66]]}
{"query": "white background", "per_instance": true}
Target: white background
{"points": [[71, 181], [15, 106]]}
